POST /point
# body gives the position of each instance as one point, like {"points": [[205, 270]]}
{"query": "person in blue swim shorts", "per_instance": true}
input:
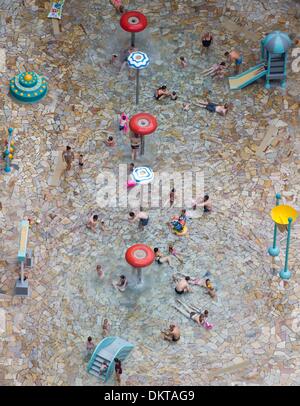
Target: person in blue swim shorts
{"points": [[236, 58]]}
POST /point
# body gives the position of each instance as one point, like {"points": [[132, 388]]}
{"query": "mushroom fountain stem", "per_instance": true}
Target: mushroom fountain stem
{"points": [[132, 39], [274, 251], [285, 273], [137, 86], [139, 275], [142, 197], [142, 145]]}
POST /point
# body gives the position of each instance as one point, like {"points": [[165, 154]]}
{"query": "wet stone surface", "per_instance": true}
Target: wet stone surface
{"points": [[255, 339]]}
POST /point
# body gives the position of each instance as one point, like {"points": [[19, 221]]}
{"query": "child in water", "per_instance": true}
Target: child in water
{"points": [[210, 289], [183, 62]]}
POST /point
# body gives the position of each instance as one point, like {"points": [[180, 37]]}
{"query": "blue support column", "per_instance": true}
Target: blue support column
{"points": [[283, 82], [285, 273], [274, 251], [267, 85], [7, 160]]}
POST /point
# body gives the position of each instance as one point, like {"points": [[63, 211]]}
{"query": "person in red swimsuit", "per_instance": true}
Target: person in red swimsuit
{"points": [[118, 370]]}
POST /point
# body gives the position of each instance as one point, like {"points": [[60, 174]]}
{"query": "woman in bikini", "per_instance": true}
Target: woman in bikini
{"points": [[135, 141], [206, 42]]}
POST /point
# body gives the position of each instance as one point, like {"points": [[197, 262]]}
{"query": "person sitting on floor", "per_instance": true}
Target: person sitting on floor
{"points": [[162, 92], [182, 286], [110, 142], [177, 224], [160, 258], [210, 289], [121, 284], [172, 334], [174, 96], [205, 203], [92, 223]]}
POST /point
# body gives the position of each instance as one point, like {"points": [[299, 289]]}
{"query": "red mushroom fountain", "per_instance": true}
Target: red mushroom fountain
{"points": [[139, 256], [143, 124], [133, 21]]}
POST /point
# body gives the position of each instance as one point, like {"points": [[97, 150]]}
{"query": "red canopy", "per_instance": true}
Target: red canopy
{"points": [[139, 256], [143, 124], [133, 21]]}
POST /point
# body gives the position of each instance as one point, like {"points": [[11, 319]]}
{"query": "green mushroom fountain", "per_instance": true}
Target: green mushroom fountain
{"points": [[28, 87]]}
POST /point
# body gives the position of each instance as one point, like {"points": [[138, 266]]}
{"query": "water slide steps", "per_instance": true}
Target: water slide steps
{"points": [[247, 77], [106, 351], [95, 368], [276, 75], [277, 70], [277, 64]]}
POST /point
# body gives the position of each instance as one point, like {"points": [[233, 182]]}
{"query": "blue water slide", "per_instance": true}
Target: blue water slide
{"points": [[105, 352], [244, 79]]}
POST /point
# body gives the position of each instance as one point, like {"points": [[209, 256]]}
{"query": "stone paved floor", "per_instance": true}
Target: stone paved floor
{"points": [[255, 339]]}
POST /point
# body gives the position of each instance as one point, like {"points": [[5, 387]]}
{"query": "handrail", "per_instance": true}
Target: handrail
{"points": [[96, 350]]}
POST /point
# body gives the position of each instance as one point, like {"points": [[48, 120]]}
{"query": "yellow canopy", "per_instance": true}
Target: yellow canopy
{"points": [[281, 213]]}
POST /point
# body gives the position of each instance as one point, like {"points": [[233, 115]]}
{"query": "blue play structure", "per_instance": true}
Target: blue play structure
{"points": [[274, 49], [105, 352], [272, 64]]}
